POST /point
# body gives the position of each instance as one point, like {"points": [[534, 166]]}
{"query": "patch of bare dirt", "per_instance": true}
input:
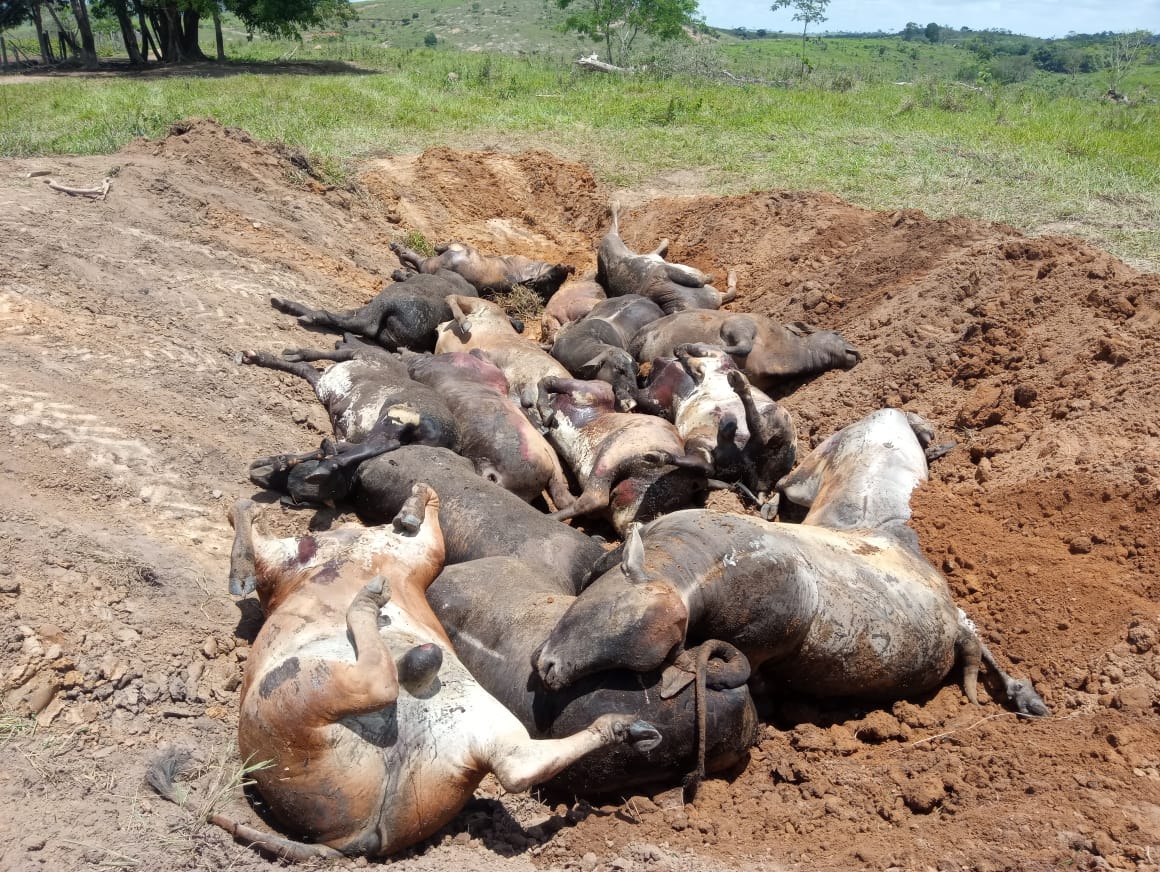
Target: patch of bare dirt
{"points": [[129, 430]]}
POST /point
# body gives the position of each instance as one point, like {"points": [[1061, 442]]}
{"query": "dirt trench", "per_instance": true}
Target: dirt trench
{"points": [[129, 430]]}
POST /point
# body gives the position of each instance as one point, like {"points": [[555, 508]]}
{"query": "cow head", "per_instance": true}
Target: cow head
{"points": [[624, 620], [619, 368]]}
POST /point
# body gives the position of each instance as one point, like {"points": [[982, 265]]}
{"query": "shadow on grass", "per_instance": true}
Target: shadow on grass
{"points": [[119, 68]]}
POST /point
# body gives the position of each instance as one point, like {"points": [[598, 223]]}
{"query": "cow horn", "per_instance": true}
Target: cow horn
{"points": [[632, 563]]}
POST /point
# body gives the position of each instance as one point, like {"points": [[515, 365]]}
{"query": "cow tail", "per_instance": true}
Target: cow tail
{"points": [[162, 777]]}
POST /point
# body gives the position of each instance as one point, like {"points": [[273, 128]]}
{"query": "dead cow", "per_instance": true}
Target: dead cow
{"points": [[498, 610], [747, 437], [375, 734], [373, 403], [851, 608], [606, 448], [490, 274], [494, 433], [672, 286], [403, 315], [596, 346], [484, 325], [768, 353]]}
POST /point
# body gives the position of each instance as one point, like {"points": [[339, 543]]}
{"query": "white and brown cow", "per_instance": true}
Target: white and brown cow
{"points": [[373, 732]]}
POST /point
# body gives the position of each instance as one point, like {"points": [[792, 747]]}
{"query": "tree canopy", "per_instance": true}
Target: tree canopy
{"points": [[617, 23], [807, 12]]}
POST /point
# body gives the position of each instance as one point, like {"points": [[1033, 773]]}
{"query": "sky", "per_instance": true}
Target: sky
{"points": [[1043, 18]]}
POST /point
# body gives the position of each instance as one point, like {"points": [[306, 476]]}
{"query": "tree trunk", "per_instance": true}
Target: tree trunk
{"points": [[146, 38], [88, 44], [188, 36], [4, 52], [217, 34], [804, 26], [64, 34], [172, 35], [121, 10], [41, 36]]}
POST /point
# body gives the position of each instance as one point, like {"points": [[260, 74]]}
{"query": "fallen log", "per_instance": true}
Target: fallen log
{"points": [[598, 66]]}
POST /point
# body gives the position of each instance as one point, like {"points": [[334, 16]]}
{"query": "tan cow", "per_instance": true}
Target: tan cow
{"points": [[374, 734]]}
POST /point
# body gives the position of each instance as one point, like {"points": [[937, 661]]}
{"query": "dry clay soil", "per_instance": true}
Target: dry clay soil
{"points": [[128, 429]]}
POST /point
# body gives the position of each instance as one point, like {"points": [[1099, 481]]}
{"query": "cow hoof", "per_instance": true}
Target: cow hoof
{"points": [[769, 508], [243, 586], [643, 736], [419, 667], [1026, 701], [407, 522]]}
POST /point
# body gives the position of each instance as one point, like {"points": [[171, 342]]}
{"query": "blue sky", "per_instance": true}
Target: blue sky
{"points": [[1044, 18]]}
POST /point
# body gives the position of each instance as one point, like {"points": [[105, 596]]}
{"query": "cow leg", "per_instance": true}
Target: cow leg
{"points": [[372, 681], [520, 762], [1020, 693], [558, 488], [407, 257], [595, 496], [462, 322], [350, 454], [662, 247], [686, 276], [614, 207], [243, 571], [302, 355], [269, 361], [730, 293]]}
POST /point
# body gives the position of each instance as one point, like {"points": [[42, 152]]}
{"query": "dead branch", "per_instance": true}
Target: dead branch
{"points": [[594, 64], [96, 193]]}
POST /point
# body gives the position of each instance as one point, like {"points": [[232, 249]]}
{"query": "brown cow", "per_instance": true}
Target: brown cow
{"points": [[374, 733], [768, 353], [489, 273], [672, 286]]}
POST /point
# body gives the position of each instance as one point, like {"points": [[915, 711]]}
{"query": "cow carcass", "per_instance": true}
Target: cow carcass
{"points": [[769, 354], [490, 274], [374, 733], [674, 287], [851, 608]]}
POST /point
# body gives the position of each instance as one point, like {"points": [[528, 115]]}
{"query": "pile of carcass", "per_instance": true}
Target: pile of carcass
{"points": [[469, 630]]}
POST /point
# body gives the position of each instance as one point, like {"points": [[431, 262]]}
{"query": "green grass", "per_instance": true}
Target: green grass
{"points": [[1021, 154]]}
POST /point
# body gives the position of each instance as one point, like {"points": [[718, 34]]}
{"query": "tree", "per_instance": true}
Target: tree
{"points": [[933, 31], [1120, 55], [808, 12], [619, 22]]}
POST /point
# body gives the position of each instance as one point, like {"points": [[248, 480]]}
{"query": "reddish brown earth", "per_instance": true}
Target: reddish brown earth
{"points": [[129, 429]]}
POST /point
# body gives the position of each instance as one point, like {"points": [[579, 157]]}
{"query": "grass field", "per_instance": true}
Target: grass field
{"points": [[1038, 154]]}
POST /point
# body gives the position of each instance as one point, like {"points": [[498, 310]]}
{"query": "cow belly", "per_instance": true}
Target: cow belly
{"points": [[876, 634]]}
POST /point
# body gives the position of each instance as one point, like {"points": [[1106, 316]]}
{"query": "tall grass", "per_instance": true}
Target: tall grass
{"points": [[1018, 154]]}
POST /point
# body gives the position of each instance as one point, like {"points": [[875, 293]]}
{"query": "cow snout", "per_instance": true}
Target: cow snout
{"points": [[546, 668]]}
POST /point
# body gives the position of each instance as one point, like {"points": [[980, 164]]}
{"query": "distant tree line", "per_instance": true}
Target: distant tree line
{"points": [[167, 29], [1009, 57]]}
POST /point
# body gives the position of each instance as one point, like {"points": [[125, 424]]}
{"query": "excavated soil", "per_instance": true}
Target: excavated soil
{"points": [[129, 429]]}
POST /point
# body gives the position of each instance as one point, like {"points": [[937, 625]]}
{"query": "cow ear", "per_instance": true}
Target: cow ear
{"points": [[632, 562]]}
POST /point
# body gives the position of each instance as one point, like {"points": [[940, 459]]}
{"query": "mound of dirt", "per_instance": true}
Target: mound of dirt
{"points": [[130, 429]]}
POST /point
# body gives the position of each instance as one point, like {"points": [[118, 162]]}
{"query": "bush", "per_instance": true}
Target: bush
{"points": [[430, 40]]}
